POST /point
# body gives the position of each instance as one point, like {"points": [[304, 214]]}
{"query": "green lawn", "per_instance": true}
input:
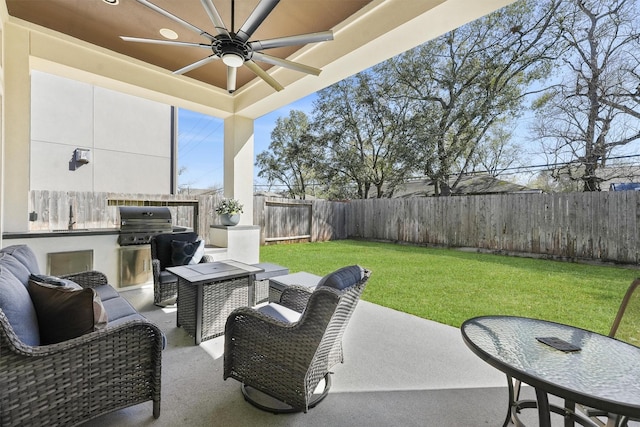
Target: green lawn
{"points": [[450, 286]]}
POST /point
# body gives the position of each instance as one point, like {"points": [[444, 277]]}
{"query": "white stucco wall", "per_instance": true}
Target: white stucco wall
{"points": [[129, 138]]}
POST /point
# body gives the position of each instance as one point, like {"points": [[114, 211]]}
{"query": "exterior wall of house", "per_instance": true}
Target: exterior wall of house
{"points": [[128, 138]]}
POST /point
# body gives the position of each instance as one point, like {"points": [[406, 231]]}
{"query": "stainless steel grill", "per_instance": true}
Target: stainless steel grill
{"points": [[139, 223]]}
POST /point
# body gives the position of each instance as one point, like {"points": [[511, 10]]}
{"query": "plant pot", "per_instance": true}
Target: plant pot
{"points": [[229, 219]]}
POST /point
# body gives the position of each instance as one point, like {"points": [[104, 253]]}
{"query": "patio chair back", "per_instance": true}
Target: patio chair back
{"points": [[626, 326]]}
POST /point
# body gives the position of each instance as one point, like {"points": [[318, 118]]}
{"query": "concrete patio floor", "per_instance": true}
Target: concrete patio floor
{"points": [[399, 370]]}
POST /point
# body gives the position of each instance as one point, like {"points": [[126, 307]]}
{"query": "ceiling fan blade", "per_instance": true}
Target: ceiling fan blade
{"points": [[263, 75], [291, 40], [176, 19], [167, 42], [286, 63], [232, 72], [215, 17], [262, 10], [196, 64]]}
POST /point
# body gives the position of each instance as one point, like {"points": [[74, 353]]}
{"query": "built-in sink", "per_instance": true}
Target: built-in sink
{"points": [[66, 230]]}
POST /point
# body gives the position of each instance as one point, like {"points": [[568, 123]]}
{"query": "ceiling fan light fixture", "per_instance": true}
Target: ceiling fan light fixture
{"points": [[233, 59], [111, 2]]}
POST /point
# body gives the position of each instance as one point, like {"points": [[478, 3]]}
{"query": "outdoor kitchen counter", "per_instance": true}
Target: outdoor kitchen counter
{"points": [[60, 233], [102, 243]]}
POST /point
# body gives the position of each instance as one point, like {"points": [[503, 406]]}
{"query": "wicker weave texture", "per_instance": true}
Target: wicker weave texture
{"points": [[219, 299], [261, 291], [77, 380], [287, 361]]}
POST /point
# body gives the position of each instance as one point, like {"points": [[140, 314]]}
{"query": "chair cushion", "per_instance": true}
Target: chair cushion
{"points": [[161, 246], [25, 255], [65, 313], [16, 268], [166, 278], [183, 253], [280, 312], [342, 278], [17, 306]]}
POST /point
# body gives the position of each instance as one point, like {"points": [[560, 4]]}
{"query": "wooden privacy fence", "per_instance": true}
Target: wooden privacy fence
{"points": [[286, 220], [603, 226], [594, 226]]}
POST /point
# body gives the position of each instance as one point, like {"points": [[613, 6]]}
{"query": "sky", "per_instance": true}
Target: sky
{"points": [[200, 144], [200, 147]]}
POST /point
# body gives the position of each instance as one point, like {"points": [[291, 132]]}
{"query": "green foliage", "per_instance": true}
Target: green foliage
{"points": [[468, 86], [291, 156], [229, 206], [361, 127], [441, 110], [450, 286]]}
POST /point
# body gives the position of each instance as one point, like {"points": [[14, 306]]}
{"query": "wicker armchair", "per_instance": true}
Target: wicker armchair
{"points": [[82, 378], [165, 284], [285, 350]]}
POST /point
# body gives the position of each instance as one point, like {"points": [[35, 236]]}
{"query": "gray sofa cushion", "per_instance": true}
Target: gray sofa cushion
{"points": [[117, 308], [16, 304], [25, 255], [342, 278], [106, 292], [16, 268]]}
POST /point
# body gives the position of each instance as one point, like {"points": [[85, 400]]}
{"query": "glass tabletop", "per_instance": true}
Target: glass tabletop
{"points": [[604, 373]]}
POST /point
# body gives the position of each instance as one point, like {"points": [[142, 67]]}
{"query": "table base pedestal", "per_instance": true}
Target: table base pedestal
{"points": [[543, 406]]}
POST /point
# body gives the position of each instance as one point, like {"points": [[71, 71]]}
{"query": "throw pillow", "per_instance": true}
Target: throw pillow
{"points": [[342, 278], [197, 256], [65, 313], [53, 280], [183, 252], [17, 306]]}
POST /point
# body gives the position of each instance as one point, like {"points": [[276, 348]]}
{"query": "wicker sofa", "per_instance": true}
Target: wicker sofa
{"points": [[72, 381]]}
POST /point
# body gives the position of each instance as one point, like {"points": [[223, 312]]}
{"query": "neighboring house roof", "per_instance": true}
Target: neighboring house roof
{"points": [[468, 185], [611, 176], [624, 186]]}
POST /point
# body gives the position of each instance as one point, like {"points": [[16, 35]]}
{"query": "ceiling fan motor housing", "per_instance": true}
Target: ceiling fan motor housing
{"points": [[226, 46]]}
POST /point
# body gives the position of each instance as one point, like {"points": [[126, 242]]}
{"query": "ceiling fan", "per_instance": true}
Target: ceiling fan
{"points": [[234, 48]]}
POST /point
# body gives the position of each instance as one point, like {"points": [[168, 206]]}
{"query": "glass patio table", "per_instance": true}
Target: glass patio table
{"points": [[600, 372]]}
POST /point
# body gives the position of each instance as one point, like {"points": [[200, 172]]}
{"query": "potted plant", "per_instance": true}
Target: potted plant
{"points": [[229, 211]]}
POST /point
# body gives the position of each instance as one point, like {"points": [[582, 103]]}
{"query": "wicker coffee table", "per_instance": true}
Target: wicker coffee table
{"points": [[209, 292]]}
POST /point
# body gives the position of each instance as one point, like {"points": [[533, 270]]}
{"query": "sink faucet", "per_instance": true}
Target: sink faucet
{"points": [[71, 221]]}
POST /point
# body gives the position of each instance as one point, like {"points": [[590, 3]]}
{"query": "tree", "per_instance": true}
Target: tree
{"points": [[495, 153], [291, 155], [361, 129], [592, 111], [468, 85]]}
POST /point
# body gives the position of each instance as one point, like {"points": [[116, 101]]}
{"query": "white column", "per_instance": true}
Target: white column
{"points": [[238, 163], [16, 126]]}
